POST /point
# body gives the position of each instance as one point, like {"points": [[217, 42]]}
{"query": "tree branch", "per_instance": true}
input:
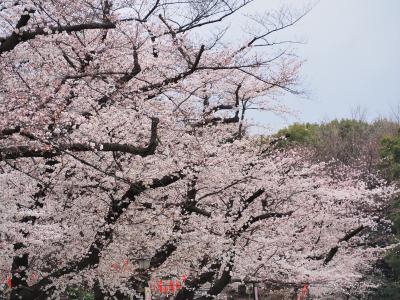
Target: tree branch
{"points": [[105, 233], [51, 151], [262, 217], [10, 42], [176, 78], [331, 254]]}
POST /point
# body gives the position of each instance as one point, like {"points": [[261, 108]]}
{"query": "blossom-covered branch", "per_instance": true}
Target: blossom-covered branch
{"points": [[50, 150]]}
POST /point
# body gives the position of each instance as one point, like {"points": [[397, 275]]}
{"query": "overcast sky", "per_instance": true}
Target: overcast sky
{"points": [[352, 59]]}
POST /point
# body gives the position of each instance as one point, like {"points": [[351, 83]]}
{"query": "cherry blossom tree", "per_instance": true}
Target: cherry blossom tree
{"points": [[123, 136]]}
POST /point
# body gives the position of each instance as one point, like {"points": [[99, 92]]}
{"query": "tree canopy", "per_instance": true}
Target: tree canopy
{"points": [[124, 138]]}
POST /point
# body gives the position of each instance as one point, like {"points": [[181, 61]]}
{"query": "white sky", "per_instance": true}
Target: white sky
{"points": [[353, 59]]}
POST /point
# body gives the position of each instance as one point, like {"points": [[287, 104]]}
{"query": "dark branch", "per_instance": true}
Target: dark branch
{"points": [[200, 22], [135, 71], [178, 77], [262, 217], [192, 284], [346, 238], [51, 151], [105, 233], [10, 42], [9, 131], [197, 210]]}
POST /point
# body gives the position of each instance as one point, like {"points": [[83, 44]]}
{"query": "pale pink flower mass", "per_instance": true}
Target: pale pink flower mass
{"points": [[125, 139]]}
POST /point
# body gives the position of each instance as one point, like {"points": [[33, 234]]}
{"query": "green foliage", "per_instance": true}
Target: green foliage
{"points": [[389, 291], [390, 165], [346, 140], [300, 133], [393, 260], [342, 140], [347, 128], [390, 288], [76, 293], [390, 156], [311, 134]]}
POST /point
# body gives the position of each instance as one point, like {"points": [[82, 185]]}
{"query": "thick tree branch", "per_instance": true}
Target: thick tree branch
{"points": [[192, 284], [51, 151], [104, 235], [9, 131], [253, 197], [139, 280], [258, 218], [10, 42], [197, 210], [331, 254], [135, 71]]}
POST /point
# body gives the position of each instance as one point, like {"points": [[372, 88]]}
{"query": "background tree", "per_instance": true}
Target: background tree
{"points": [[353, 142], [370, 147]]}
